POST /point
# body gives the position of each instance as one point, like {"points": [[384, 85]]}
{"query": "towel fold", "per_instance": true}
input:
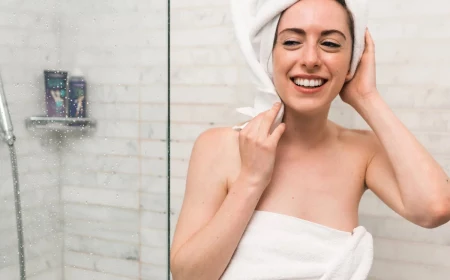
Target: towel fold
{"points": [[280, 247], [255, 23]]}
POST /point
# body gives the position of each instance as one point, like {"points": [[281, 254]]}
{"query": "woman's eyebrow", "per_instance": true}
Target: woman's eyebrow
{"points": [[300, 31]]}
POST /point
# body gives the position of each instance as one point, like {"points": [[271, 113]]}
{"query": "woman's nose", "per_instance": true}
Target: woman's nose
{"points": [[310, 57]]}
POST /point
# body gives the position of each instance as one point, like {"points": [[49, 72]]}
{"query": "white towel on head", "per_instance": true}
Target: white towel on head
{"points": [[255, 23]]}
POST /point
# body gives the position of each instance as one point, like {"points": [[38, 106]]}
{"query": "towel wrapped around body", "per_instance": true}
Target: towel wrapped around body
{"points": [[281, 247]]}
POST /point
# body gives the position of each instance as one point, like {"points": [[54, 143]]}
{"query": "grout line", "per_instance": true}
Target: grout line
{"points": [[140, 182], [102, 272], [411, 263], [74, 235], [409, 241]]}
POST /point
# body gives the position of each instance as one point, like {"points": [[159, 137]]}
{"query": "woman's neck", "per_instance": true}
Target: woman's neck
{"points": [[305, 131]]}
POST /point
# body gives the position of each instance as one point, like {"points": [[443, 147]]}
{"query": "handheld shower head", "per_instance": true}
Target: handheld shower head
{"points": [[6, 128]]}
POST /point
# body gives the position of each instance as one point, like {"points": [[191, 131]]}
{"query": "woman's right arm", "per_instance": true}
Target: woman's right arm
{"points": [[214, 214]]}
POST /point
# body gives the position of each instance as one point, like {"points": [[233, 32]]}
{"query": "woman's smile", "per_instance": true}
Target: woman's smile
{"points": [[308, 84]]}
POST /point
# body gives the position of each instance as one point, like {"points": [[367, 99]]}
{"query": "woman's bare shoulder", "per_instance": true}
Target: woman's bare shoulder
{"points": [[220, 145], [219, 140], [363, 139]]}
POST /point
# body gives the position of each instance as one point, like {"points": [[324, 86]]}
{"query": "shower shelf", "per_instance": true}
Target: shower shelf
{"points": [[60, 124]]}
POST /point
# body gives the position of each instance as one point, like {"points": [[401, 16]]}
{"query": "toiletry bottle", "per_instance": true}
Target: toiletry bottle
{"points": [[77, 95], [56, 93]]}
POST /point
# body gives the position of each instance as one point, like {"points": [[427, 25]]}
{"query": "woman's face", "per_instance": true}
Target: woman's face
{"points": [[311, 57]]}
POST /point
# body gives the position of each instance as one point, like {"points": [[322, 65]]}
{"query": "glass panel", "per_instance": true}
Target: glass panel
{"points": [[94, 193]]}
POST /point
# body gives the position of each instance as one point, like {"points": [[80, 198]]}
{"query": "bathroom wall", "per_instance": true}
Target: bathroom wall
{"points": [[113, 180], [28, 45], [411, 72], [209, 81]]}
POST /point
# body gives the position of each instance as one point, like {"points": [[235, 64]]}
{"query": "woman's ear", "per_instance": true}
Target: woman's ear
{"points": [[349, 76]]}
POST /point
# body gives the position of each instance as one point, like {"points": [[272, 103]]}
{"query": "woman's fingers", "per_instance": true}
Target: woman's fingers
{"points": [[257, 146], [261, 124], [268, 119], [370, 45]]}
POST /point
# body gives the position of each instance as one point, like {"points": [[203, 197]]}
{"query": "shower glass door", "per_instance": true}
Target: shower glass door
{"points": [[94, 190]]}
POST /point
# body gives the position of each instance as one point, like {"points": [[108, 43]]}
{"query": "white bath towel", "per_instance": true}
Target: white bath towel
{"points": [[280, 247], [255, 23]]}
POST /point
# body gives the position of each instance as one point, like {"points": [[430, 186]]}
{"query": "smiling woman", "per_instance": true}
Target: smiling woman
{"points": [[312, 55], [278, 197]]}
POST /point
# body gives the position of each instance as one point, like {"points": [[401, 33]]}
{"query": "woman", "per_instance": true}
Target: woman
{"points": [[309, 167]]}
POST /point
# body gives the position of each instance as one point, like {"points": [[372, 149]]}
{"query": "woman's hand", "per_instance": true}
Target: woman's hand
{"points": [[363, 84], [258, 147]]}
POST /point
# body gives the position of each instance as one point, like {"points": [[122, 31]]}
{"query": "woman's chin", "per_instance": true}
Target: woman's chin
{"points": [[306, 106]]}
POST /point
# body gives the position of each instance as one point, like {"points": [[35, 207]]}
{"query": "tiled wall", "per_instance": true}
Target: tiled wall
{"points": [[209, 81], [113, 180], [28, 45]]}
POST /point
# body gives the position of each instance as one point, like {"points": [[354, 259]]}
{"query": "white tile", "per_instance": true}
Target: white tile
{"points": [[153, 272], [210, 94], [391, 270], [154, 167], [197, 3], [154, 130], [108, 231], [200, 17], [154, 184], [10, 273], [128, 218], [104, 146], [403, 230], [214, 36], [154, 255], [411, 252], [116, 198], [102, 264], [153, 202], [154, 113], [204, 75], [154, 237], [154, 149], [107, 248], [54, 274], [156, 93], [71, 273], [153, 220]]}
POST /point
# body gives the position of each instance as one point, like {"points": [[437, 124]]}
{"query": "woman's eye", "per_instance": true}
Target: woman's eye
{"points": [[331, 44], [291, 43]]}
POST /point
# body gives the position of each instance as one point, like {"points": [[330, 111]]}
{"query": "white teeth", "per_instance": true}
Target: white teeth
{"points": [[308, 83]]}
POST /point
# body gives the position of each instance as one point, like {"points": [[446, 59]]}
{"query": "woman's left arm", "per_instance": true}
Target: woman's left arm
{"points": [[401, 171]]}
